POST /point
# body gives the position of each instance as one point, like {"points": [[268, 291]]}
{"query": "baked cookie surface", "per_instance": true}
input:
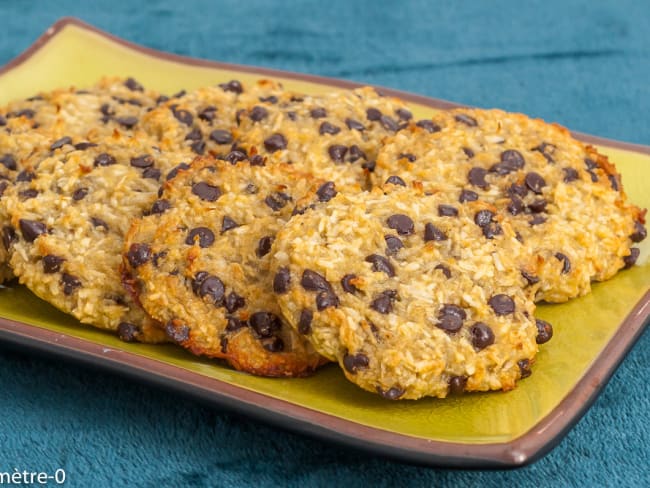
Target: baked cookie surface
{"points": [[563, 198], [412, 295], [199, 264], [67, 223]]}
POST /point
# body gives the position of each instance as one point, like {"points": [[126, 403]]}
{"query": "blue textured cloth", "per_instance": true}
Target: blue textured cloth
{"points": [[585, 64]]}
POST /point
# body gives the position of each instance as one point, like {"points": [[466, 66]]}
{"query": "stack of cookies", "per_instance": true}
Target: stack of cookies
{"points": [[278, 231]]}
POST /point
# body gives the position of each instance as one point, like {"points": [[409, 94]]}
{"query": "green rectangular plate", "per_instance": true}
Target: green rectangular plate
{"points": [[592, 334]]}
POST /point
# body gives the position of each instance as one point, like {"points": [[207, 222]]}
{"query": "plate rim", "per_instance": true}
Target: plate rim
{"points": [[523, 450]]}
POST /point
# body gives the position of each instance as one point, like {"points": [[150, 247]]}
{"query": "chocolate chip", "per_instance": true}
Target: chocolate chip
{"points": [[70, 283], [512, 160], [401, 223], [476, 176], [355, 153], [265, 324], [491, 230], [212, 288], [535, 182], [383, 303], [144, 161], [133, 85], [404, 114], [257, 160], [206, 191], [373, 114], [8, 236], [326, 192], [395, 180], [277, 200], [194, 135], [433, 233], [483, 217], [221, 136], [393, 244], [52, 263], [272, 344], [3, 121], [183, 116], [466, 119], [318, 113], [482, 335], [538, 206], [31, 229], [104, 159], [428, 125], [447, 211], [227, 223], [233, 86], [348, 286], [468, 152], [337, 152], [467, 196], [233, 324], [304, 323], [276, 142], [25, 176], [208, 113], [631, 258], [381, 264], [570, 175], [79, 194], [174, 171], [547, 151], [178, 333], [258, 113], [138, 254], [613, 181], [59, 143], [128, 122], [591, 164], [517, 190], [235, 156], [313, 281], [160, 206], [457, 385], [205, 237], [544, 331], [445, 270], [369, 166], [393, 393], [234, 302], [389, 123], [566, 263], [354, 124], [82, 146], [282, 280], [502, 304], [353, 362], [524, 368], [639, 233], [326, 299], [537, 220], [24, 194], [128, 332], [264, 246], [97, 222], [9, 162], [530, 278]]}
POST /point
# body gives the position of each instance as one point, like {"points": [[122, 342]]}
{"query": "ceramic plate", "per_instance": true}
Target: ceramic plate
{"points": [[592, 334]]}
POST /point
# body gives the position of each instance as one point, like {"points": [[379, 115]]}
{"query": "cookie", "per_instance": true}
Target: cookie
{"points": [[413, 295], [199, 264], [563, 198], [67, 223], [334, 136]]}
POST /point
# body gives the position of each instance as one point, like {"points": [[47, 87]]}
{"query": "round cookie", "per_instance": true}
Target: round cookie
{"points": [[199, 264], [334, 136], [413, 295], [67, 223], [563, 198]]}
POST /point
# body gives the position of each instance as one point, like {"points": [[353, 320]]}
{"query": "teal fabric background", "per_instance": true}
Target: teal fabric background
{"points": [[585, 64]]}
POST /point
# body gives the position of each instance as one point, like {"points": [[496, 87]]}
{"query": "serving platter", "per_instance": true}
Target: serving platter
{"points": [[592, 333]]}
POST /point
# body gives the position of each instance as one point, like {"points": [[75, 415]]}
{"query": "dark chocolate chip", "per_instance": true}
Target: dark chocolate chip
{"points": [[482, 335], [348, 286], [537, 220], [79, 194], [457, 385], [393, 393], [538, 206], [24, 194], [208, 113], [326, 299], [381, 264], [535, 182], [25, 176], [258, 113], [133, 85], [355, 153], [174, 171], [318, 113], [265, 324], [97, 222], [272, 99], [232, 86], [631, 258], [313, 281], [353, 362], [491, 230], [524, 368], [483, 217], [82, 146], [395, 180], [373, 114], [59, 143], [212, 288], [234, 302], [466, 119], [128, 121], [104, 159], [52, 263], [282, 280], [277, 200], [8, 236], [144, 161], [445, 270], [393, 244], [304, 323], [178, 333], [206, 192], [9, 162], [70, 283], [404, 114], [512, 160], [31, 229], [530, 278], [447, 211], [544, 331], [272, 344], [467, 196], [326, 192], [151, 173], [590, 164], [3, 121], [476, 176], [160, 206], [516, 205], [227, 223], [547, 150], [264, 246], [257, 160], [451, 317], [428, 125], [235, 156], [183, 116], [233, 324], [369, 166], [354, 124], [276, 142], [570, 174], [337, 152], [128, 332], [221, 136], [468, 152], [502, 304], [566, 263], [401, 223], [205, 237], [639, 233], [383, 303], [389, 123], [517, 190], [613, 181], [194, 135], [433, 233], [138, 254]]}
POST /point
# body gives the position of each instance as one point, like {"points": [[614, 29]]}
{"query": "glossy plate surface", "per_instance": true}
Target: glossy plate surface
{"points": [[592, 334]]}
